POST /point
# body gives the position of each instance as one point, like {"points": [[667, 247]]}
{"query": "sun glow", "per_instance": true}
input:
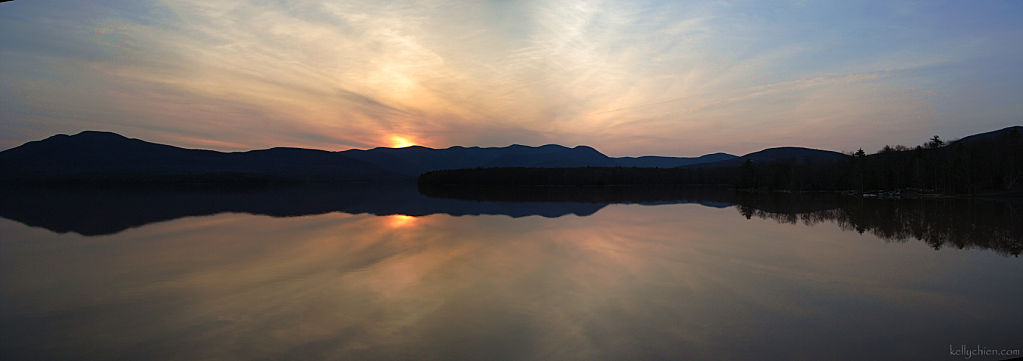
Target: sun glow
{"points": [[400, 220], [401, 142]]}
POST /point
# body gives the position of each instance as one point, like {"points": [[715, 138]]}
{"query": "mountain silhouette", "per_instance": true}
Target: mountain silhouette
{"points": [[779, 154], [986, 136], [93, 156], [416, 160], [671, 162]]}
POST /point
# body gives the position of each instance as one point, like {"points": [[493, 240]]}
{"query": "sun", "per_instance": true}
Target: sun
{"points": [[401, 142]]}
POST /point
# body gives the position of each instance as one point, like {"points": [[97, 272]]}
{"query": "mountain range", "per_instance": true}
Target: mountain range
{"points": [[105, 156]]}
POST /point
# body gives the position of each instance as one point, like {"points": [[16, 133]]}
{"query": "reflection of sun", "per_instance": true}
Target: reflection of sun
{"points": [[400, 220], [401, 142]]}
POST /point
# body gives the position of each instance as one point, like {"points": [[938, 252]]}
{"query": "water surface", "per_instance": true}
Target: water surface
{"points": [[283, 276]]}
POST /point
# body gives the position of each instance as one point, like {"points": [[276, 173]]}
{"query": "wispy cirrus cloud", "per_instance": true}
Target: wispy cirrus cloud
{"points": [[627, 77]]}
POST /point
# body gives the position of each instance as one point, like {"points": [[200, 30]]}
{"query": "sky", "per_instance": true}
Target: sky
{"points": [[626, 77]]}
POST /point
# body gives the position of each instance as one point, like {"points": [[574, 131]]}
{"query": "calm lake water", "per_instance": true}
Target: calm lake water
{"points": [[392, 274]]}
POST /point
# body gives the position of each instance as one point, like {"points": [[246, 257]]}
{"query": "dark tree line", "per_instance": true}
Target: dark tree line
{"points": [[969, 166], [987, 164]]}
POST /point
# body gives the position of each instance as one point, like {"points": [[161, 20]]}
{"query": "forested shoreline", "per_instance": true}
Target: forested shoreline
{"points": [[990, 163]]}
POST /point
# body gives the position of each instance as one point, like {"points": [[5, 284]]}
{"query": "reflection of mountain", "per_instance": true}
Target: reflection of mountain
{"points": [[98, 212]]}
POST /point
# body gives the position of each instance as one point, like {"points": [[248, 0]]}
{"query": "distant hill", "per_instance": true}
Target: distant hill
{"points": [[671, 162], [991, 135], [780, 154], [416, 160]]}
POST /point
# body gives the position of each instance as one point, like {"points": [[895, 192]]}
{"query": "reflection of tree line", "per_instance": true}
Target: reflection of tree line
{"points": [[939, 222], [960, 223]]}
